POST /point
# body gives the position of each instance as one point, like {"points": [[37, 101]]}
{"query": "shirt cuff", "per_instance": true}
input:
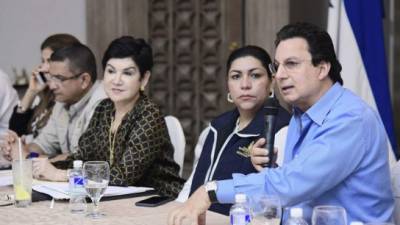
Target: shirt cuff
{"points": [[44, 150], [225, 191]]}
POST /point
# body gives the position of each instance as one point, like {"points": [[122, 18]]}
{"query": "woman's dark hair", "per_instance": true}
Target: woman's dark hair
{"points": [[250, 50], [58, 41], [135, 48], [319, 43]]}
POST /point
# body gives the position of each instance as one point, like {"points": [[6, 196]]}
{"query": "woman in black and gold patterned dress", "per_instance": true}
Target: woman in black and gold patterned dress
{"points": [[128, 130]]}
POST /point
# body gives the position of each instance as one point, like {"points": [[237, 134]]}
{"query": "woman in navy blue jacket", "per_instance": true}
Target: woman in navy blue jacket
{"points": [[226, 149]]}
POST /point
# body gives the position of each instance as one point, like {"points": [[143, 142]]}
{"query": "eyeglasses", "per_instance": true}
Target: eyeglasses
{"points": [[290, 66], [60, 79]]}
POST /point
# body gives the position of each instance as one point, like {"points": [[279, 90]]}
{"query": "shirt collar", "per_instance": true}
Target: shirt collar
{"points": [[80, 105], [322, 107], [227, 122], [255, 127]]}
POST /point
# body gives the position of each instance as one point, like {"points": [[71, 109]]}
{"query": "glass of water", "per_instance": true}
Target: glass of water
{"points": [[378, 223], [96, 176], [329, 215], [267, 210]]}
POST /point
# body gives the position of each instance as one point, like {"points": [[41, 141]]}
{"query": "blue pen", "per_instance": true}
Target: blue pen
{"points": [[32, 155]]}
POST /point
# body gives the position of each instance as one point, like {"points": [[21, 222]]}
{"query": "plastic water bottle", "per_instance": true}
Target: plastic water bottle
{"points": [[77, 192], [296, 217], [240, 211], [356, 223]]}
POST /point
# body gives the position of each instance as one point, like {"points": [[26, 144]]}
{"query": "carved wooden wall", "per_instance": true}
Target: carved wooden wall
{"points": [[187, 80]]}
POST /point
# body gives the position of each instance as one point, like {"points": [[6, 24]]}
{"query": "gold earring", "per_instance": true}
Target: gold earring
{"points": [[271, 93], [229, 98], [141, 88]]}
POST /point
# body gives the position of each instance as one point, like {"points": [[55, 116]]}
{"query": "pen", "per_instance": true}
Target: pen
{"points": [[51, 204], [32, 155]]}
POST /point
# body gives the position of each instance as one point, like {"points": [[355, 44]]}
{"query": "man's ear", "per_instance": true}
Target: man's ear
{"points": [[324, 67], [86, 80]]}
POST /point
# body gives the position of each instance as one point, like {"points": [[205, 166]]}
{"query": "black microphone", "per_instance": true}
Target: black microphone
{"points": [[271, 110]]}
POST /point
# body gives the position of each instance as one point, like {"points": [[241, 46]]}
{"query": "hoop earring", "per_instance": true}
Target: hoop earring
{"points": [[271, 93], [229, 98]]}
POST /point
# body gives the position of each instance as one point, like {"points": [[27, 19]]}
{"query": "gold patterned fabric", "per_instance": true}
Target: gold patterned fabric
{"points": [[143, 153]]}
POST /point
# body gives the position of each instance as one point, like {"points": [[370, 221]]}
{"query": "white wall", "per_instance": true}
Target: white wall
{"points": [[24, 24]]}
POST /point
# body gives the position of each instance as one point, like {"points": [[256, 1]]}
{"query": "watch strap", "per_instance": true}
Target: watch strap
{"points": [[213, 196], [211, 188]]}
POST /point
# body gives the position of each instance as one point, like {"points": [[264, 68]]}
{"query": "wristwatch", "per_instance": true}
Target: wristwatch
{"points": [[211, 188]]}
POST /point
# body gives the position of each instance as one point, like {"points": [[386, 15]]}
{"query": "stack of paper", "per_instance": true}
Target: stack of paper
{"points": [[6, 178], [59, 190], [5, 181]]}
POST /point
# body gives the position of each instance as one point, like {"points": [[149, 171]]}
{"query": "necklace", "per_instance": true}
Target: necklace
{"points": [[237, 127], [111, 140]]}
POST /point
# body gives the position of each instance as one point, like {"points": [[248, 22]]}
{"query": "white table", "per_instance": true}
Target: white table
{"points": [[119, 212]]}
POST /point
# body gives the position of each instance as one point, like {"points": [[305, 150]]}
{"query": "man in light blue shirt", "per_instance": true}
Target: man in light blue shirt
{"points": [[336, 149]]}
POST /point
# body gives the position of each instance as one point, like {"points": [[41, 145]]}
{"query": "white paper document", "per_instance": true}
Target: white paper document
{"points": [[6, 181], [6, 178], [59, 190]]}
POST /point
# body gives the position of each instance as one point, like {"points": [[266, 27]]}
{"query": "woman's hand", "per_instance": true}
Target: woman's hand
{"points": [[259, 154], [34, 85], [10, 146]]}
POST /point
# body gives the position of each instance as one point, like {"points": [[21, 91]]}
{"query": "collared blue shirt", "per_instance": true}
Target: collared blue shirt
{"points": [[336, 154]]}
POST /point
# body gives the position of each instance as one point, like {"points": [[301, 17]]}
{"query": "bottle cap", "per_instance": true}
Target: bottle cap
{"points": [[356, 223], [240, 198], [296, 212], [78, 163]]}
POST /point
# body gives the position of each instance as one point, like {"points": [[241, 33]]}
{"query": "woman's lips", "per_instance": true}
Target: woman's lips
{"points": [[116, 90], [246, 97]]}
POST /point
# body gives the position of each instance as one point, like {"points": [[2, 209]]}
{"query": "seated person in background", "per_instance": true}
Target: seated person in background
{"points": [[8, 100], [227, 146], [127, 130], [25, 119], [72, 80], [336, 149]]}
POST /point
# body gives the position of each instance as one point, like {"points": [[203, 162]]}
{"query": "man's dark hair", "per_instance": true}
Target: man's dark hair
{"points": [[135, 48], [319, 42], [80, 59], [58, 41], [250, 50]]}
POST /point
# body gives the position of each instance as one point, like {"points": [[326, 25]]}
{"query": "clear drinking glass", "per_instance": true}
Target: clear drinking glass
{"points": [[22, 180], [96, 176], [378, 223], [267, 210], [329, 215]]}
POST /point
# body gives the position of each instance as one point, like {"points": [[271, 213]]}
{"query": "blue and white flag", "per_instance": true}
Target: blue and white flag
{"points": [[357, 33]]}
